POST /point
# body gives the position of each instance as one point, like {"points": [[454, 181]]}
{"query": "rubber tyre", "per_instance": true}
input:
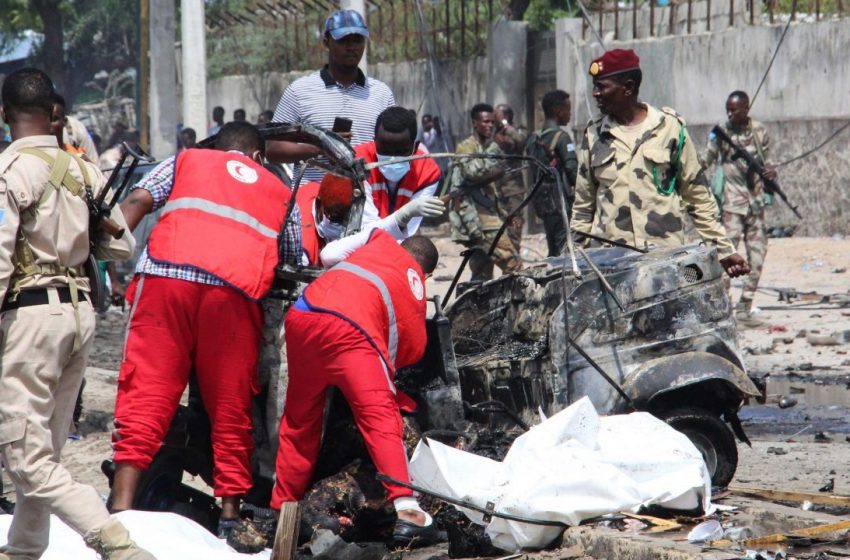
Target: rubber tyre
{"points": [[711, 436], [159, 486]]}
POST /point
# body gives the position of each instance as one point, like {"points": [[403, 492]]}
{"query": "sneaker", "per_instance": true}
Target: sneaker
{"points": [[411, 535], [246, 538], [225, 527]]}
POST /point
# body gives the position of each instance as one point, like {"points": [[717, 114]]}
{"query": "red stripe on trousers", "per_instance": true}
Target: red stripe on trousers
{"points": [[179, 326], [325, 351]]}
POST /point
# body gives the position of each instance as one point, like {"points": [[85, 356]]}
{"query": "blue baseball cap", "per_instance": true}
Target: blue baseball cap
{"points": [[345, 22]]}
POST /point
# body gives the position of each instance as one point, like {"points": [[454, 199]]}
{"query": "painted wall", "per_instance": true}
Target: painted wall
{"points": [[805, 98]]}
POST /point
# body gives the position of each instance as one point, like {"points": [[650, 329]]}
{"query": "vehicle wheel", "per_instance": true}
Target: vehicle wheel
{"points": [[159, 486], [711, 436]]}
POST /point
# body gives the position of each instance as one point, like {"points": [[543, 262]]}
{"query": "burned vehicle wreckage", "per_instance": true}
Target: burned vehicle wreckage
{"points": [[630, 329]]}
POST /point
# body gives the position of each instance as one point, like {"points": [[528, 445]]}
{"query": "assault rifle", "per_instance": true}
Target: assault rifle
{"points": [[771, 187], [99, 220], [99, 209]]}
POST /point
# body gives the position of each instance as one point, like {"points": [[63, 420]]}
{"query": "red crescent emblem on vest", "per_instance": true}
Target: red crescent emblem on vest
{"points": [[415, 284], [241, 172]]}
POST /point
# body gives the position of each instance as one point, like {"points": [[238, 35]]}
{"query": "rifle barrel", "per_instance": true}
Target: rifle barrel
{"points": [[770, 185]]}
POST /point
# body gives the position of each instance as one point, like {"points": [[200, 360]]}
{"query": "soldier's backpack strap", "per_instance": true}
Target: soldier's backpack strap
{"points": [[60, 177]]}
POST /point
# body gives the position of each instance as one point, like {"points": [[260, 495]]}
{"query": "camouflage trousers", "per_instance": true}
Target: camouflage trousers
{"points": [[751, 230], [506, 256], [477, 230]]}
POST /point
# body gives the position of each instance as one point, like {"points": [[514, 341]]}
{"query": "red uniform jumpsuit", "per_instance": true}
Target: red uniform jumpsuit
{"points": [[423, 173], [353, 327], [311, 243], [223, 217]]}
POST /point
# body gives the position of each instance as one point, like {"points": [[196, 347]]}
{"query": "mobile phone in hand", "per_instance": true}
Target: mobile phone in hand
{"points": [[341, 124]]}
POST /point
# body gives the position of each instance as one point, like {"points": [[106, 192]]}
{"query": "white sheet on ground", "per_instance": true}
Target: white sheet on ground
{"points": [[573, 466], [167, 536]]}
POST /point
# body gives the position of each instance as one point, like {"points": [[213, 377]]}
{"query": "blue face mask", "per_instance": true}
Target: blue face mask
{"points": [[394, 172], [330, 231]]}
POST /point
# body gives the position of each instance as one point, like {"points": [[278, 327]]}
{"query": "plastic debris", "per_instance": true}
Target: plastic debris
{"points": [[706, 531]]}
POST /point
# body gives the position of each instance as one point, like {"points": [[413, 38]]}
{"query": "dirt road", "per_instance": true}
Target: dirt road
{"points": [[817, 376]]}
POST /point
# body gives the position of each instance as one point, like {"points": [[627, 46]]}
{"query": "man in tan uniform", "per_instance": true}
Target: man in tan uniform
{"points": [[475, 212], [46, 323], [638, 170]]}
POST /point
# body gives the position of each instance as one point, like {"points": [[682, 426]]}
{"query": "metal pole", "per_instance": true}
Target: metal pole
{"points": [[194, 51], [652, 18], [690, 15], [144, 73], [616, 21], [163, 82], [462, 29], [634, 19]]}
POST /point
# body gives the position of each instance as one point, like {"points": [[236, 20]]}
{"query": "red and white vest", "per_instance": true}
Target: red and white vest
{"points": [[224, 216], [311, 243], [423, 172], [380, 289]]}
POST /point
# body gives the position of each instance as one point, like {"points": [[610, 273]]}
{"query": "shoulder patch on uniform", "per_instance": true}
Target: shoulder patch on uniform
{"points": [[7, 159], [672, 112]]}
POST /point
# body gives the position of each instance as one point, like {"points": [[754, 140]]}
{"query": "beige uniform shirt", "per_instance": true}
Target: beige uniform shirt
{"points": [[57, 229], [617, 194]]}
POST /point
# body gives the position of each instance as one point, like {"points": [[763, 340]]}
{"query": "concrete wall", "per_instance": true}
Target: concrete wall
{"points": [[804, 99], [460, 84]]}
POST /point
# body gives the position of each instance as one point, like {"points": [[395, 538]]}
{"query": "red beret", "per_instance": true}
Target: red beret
{"points": [[614, 62], [336, 191]]}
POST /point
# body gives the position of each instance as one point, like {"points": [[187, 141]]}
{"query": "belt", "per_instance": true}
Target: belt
{"points": [[37, 296]]}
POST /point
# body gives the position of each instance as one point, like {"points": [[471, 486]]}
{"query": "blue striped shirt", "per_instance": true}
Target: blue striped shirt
{"points": [[159, 183], [318, 99]]}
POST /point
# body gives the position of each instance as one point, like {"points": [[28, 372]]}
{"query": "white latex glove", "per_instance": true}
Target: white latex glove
{"points": [[422, 207]]}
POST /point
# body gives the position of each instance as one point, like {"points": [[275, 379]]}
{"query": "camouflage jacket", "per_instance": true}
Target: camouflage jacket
{"points": [[511, 188], [737, 198], [547, 201], [620, 182], [473, 171]]}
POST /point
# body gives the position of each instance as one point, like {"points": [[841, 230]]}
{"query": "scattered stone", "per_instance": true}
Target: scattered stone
{"points": [[787, 402], [796, 390], [801, 333], [835, 339], [828, 487], [839, 270], [832, 471], [821, 437], [806, 366], [776, 451], [845, 363]]}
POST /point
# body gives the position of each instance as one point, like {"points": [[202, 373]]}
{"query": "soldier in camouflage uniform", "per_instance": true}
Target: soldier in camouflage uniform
{"points": [[638, 169], [475, 213], [557, 147], [741, 198], [511, 189]]}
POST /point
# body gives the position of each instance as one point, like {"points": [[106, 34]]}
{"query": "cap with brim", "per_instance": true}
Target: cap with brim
{"points": [[345, 22], [338, 34]]}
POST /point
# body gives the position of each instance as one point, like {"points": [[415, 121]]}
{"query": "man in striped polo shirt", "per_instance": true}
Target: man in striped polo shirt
{"points": [[339, 89]]}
